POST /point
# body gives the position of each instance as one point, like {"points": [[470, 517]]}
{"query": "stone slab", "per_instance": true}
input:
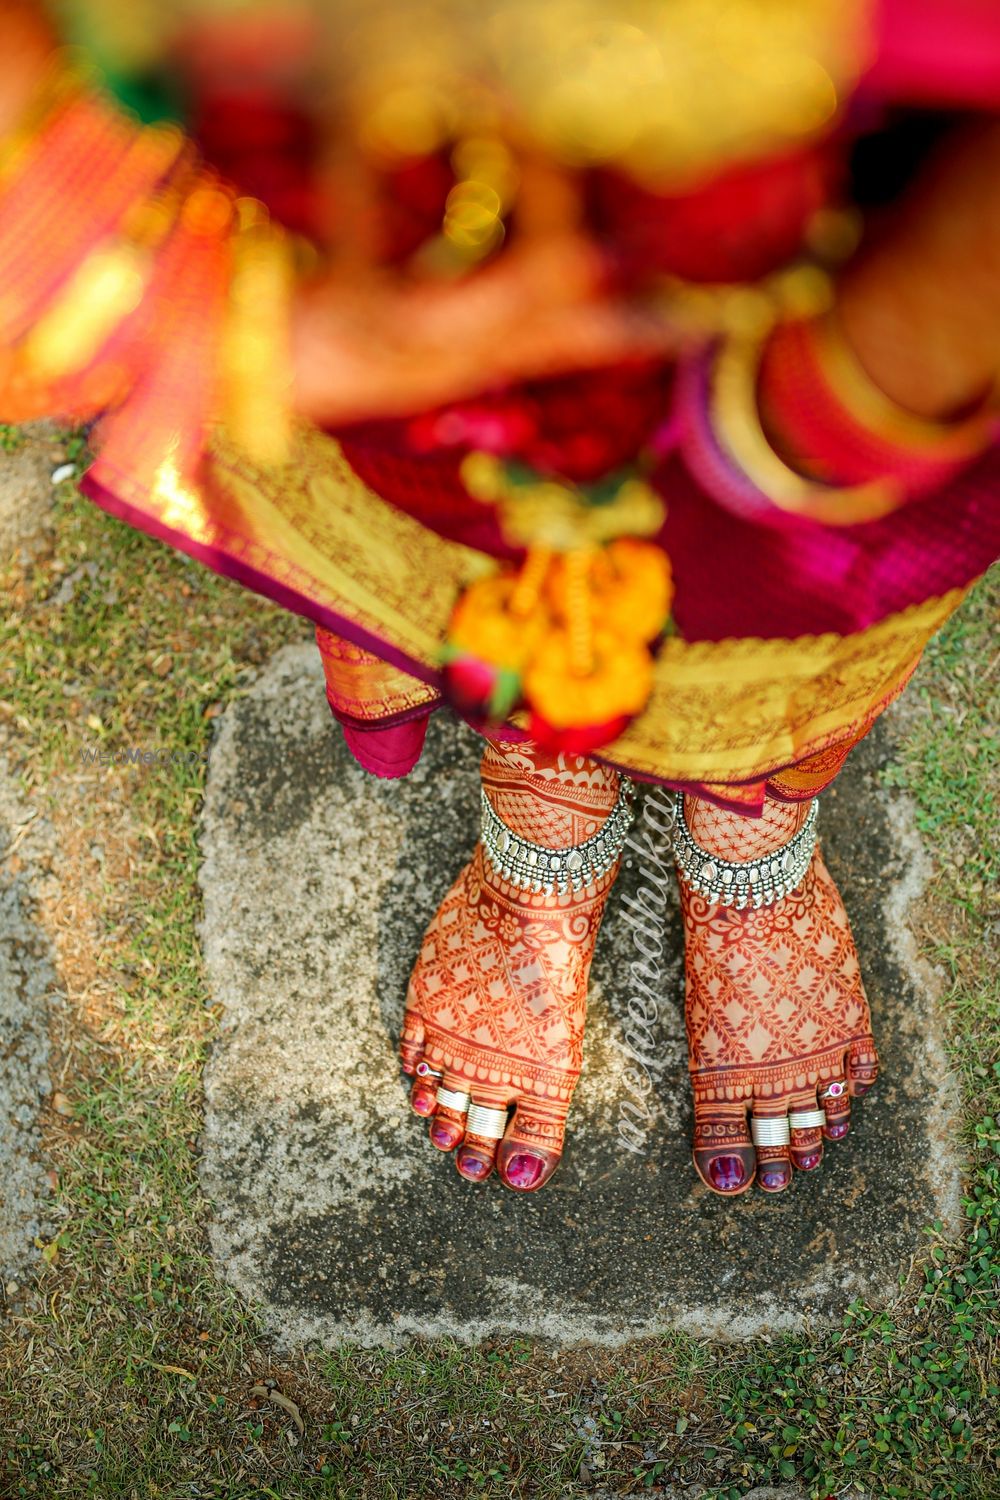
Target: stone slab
{"points": [[332, 1212], [26, 982]]}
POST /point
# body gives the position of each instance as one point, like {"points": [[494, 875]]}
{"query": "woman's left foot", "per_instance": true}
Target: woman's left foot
{"points": [[779, 1030]]}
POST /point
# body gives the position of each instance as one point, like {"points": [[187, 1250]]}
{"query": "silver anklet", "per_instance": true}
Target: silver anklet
{"points": [[532, 867], [742, 883]]}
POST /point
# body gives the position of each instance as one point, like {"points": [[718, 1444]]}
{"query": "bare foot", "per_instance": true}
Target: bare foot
{"points": [[497, 999], [777, 1017]]}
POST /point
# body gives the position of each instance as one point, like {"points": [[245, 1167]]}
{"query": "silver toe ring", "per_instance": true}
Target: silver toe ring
{"points": [[488, 1123], [452, 1100], [424, 1070], [806, 1119], [770, 1130], [833, 1090]]}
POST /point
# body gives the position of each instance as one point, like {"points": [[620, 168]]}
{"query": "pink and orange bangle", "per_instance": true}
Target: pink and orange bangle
{"points": [[791, 427], [821, 405]]}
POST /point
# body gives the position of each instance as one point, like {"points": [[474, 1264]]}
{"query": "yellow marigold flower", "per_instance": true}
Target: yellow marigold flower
{"points": [[618, 682], [629, 586], [484, 625]]}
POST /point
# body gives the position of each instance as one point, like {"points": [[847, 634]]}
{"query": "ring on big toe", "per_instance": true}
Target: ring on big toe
{"points": [[806, 1119], [424, 1070], [490, 1124], [452, 1100], [770, 1130], [833, 1090]]}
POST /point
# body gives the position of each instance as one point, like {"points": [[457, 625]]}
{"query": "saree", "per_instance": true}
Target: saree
{"points": [[790, 629]]}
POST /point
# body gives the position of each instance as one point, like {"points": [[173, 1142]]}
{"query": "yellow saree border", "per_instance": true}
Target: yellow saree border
{"points": [[312, 535], [738, 710]]}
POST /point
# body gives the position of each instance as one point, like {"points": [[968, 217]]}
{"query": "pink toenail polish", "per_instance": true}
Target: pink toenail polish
{"points": [[524, 1171], [471, 1166], [774, 1180], [423, 1103], [861, 1088], [443, 1137], [727, 1173], [837, 1132], [809, 1162]]}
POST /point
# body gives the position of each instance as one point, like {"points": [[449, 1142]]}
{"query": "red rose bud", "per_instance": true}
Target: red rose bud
{"points": [[479, 689], [579, 739]]}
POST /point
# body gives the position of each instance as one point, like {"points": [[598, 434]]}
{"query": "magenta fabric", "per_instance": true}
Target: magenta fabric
{"points": [[742, 567], [937, 52], [388, 753]]}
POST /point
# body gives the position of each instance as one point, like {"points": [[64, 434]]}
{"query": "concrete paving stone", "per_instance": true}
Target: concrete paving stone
{"points": [[27, 979], [332, 1212]]}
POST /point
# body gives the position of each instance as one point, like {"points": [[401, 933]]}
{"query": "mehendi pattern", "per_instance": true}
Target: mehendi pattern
{"points": [[775, 1009]]}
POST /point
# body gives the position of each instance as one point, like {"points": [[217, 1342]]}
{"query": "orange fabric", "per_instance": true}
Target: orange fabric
{"points": [[362, 687]]}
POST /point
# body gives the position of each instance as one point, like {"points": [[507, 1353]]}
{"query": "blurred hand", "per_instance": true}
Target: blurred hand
{"points": [[921, 306]]}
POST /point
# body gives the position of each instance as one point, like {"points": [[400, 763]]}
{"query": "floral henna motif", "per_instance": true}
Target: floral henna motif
{"points": [[555, 800], [497, 999], [776, 1012]]}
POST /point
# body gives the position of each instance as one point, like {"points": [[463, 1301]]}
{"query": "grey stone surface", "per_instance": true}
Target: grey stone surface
{"points": [[330, 1209], [26, 981]]}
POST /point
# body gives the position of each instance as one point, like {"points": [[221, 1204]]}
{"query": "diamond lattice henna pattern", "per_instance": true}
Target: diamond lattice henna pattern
{"points": [[497, 999], [498, 995], [555, 800], [775, 1011]]}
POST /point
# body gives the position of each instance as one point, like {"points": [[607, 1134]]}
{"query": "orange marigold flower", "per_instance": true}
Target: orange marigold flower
{"points": [[617, 683], [629, 586], [485, 626]]}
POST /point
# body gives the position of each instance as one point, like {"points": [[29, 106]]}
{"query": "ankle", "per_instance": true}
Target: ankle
{"points": [[736, 837], [554, 829], [557, 801]]}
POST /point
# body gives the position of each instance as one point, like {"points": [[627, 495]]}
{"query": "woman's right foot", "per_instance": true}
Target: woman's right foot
{"points": [[779, 1030], [497, 1000]]}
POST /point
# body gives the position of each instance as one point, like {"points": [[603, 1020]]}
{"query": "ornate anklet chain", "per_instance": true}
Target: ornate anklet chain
{"points": [[533, 867], [743, 883]]}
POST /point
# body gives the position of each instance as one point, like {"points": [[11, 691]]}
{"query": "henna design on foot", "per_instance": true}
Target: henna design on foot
{"points": [[497, 999], [777, 1017]]}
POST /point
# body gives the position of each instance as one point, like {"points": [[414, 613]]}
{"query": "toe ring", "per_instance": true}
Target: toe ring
{"points": [[833, 1090], [806, 1119], [488, 1123], [451, 1100], [770, 1130], [424, 1070]]}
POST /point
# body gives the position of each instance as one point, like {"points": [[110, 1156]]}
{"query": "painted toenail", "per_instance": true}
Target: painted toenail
{"points": [[524, 1171], [774, 1180], [837, 1132], [861, 1088], [809, 1162], [442, 1136], [727, 1173], [423, 1103], [471, 1166]]}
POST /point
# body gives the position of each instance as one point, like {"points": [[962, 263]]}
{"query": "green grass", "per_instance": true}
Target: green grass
{"points": [[128, 1370]]}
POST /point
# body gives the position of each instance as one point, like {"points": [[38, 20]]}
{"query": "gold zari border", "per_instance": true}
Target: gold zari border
{"points": [[727, 711], [738, 710]]}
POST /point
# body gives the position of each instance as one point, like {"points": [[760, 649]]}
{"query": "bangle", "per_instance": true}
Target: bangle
{"points": [[832, 417], [727, 452]]}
